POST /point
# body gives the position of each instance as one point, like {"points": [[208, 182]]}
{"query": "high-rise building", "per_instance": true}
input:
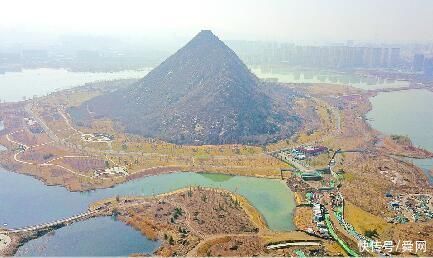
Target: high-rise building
{"points": [[385, 57], [395, 57], [331, 56], [428, 67], [368, 57], [418, 62], [360, 57], [376, 57]]}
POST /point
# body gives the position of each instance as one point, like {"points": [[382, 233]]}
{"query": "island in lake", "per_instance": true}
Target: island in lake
{"points": [[333, 180]]}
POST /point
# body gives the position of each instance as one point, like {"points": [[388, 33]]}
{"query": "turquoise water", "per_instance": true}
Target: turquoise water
{"points": [[32, 203], [27, 201], [406, 113], [16, 85], [94, 237], [46, 203]]}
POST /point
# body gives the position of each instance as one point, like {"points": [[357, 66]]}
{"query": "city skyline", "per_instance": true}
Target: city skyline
{"points": [[216, 128]]}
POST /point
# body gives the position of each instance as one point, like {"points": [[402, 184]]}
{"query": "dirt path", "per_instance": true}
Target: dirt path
{"points": [[211, 238]]}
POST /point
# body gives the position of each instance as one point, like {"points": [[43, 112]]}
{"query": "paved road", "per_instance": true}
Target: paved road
{"points": [[50, 133]]}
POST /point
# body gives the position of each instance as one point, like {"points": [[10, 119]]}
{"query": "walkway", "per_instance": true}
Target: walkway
{"points": [[50, 224], [301, 243], [48, 163]]}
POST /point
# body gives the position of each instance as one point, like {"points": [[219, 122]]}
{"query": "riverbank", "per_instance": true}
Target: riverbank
{"points": [[131, 210], [185, 220], [13, 239], [367, 171], [28, 83], [410, 109], [197, 231], [52, 148]]}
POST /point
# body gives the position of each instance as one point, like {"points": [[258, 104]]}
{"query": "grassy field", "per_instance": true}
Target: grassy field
{"points": [[363, 221]]}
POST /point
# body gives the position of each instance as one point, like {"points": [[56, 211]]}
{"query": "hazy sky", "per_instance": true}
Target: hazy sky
{"points": [[279, 20]]}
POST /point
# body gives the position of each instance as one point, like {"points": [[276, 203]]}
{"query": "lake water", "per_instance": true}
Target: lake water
{"points": [[95, 237], [27, 201], [27, 83], [366, 83], [406, 113], [47, 203]]}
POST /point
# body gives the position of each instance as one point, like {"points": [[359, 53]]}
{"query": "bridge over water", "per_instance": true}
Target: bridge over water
{"points": [[50, 224]]}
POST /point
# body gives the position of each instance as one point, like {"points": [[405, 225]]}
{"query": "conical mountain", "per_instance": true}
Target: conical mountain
{"points": [[202, 94]]}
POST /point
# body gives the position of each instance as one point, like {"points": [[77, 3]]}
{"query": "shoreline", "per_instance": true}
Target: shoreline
{"points": [[132, 178], [17, 240], [367, 130], [154, 170], [375, 93]]}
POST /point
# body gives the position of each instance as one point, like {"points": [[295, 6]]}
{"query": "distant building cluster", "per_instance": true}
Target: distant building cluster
{"points": [[257, 53], [78, 56], [422, 64]]}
